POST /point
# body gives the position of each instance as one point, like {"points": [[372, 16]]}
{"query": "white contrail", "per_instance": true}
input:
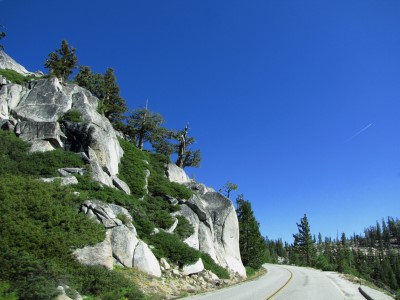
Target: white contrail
{"points": [[361, 131]]}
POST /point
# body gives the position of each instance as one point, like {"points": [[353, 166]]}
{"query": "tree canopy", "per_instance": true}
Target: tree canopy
{"points": [[186, 156], [2, 36], [304, 245], [62, 61], [144, 126], [228, 188], [107, 90], [251, 242]]}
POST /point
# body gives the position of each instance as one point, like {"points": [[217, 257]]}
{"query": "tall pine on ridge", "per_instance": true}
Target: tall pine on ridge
{"points": [[251, 242]]}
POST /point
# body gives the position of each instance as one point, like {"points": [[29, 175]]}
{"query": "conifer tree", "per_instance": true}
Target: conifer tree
{"points": [[113, 105], [304, 243], [251, 242], [2, 36], [144, 125], [228, 188], [168, 142], [186, 157], [62, 61], [106, 89]]}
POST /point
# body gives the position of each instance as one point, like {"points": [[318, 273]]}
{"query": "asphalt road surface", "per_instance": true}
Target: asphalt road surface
{"points": [[292, 283]]}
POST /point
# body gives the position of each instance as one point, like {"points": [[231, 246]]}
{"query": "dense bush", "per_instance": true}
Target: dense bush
{"points": [[169, 245], [6, 293], [158, 211], [212, 266], [132, 168], [40, 226], [250, 271], [184, 228], [72, 115], [15, 159], [93, 190], [15, 77]]}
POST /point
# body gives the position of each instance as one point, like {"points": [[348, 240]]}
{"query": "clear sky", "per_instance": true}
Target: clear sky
{"points": [[297, 102]]}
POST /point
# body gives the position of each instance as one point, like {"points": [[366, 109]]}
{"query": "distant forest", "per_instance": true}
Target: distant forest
{"points": [[374, 255]]}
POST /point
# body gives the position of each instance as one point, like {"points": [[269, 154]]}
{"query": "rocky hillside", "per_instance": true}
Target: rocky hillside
{"points": [[154, 218]]}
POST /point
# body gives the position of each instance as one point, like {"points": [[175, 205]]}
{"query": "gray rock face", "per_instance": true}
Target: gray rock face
{"points": [[100, 254], [164, 264], [10, 96], [32, 131], [145, 260], [177, 174], [122, 242], [119, 184], [39, 105], [216, 228], [195, 268], [63, 180]]}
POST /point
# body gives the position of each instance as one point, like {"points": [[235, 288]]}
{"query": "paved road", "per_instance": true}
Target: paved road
{"points": [[291, 283]]}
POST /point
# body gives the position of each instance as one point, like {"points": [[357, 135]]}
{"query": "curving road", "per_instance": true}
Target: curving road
{"points": [[290, 282]]}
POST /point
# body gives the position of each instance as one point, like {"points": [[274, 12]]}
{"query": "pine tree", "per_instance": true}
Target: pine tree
{"points": [[2, 36], [113, 105], [228, 188], [144, 125], [186, 157], [251, 242], [106, 89], [62, 62], [303, 242]]}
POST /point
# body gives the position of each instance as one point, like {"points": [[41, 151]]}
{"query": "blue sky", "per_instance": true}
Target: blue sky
{"points": [[275, 93]]}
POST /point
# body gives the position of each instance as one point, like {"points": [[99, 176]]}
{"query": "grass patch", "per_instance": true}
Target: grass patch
{"points": [[73, 115], [16, 77]]}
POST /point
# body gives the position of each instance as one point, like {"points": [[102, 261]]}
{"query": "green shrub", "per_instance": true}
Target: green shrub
{"points": [[93, 190], [5, 291], [184, 228], [105, 284], [158, 211], [212, 266], [39, 228], [15, 77], [159, 185], [15, 159], [143, 226], [123, 218], [250, 271], [72, 115], [132, 168], [169, 245]]}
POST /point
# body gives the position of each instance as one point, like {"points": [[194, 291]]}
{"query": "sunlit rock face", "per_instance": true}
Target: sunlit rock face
{"points": [[216, 227], [6, 62], [35, 112]]}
